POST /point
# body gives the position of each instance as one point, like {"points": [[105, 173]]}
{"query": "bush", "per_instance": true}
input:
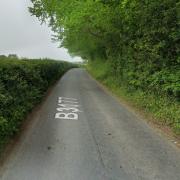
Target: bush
{"points": [[23, 83], [152, 98]]}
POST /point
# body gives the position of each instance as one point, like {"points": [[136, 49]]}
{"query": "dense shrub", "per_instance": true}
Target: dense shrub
{"points": [[22, 84], [164, 109]]}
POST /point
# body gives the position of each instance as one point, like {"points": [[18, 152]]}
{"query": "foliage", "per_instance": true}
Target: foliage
{"points": [[23, 83], [139, 41], [165, 110]]}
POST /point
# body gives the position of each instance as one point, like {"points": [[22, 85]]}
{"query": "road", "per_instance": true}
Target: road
{"points": [[82, 133]]}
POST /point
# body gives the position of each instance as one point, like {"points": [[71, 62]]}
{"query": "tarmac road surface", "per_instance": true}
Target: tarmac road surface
{"points": [[82, 133]]}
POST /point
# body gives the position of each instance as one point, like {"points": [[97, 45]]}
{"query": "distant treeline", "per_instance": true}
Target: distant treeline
{"points": [[9, 56], [23, 83]]}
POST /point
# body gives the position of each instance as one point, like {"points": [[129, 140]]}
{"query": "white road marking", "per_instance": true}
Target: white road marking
{"points": [[67, 116], [68, 98], [60, 101], [68, 105], [67, 109]]}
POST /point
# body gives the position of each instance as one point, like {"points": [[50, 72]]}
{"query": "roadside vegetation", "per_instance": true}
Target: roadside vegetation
{"points": [[23, 83], [162, 109], [132, 46]]}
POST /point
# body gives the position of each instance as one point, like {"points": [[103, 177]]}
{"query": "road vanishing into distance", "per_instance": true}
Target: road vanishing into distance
{"points": [[81, 132]]}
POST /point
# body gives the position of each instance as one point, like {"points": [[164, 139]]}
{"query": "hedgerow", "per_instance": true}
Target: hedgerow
{"points": [[23, 83], [164, 109]]}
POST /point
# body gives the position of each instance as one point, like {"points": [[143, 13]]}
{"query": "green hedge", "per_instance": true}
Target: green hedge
{"points": [[23, 83], [153, 99]]}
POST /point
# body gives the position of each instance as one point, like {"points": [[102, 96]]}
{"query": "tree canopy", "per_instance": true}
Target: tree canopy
{"points": [[140, 39]]}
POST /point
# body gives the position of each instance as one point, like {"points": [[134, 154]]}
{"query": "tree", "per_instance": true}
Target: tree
{"points": [[139, 39], [13, 56]]}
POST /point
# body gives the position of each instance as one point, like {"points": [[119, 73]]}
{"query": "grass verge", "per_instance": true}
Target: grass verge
{"points": [[165, 111]]}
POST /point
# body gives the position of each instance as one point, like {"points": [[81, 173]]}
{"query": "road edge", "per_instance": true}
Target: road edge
{"points": [[163, 131], [28, 123]]}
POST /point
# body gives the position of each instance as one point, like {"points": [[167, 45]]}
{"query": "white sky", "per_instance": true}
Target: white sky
{"points": [[22, 34]]}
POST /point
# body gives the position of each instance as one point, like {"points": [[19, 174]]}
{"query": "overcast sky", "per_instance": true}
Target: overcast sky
{"points": [[22, 34]]}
